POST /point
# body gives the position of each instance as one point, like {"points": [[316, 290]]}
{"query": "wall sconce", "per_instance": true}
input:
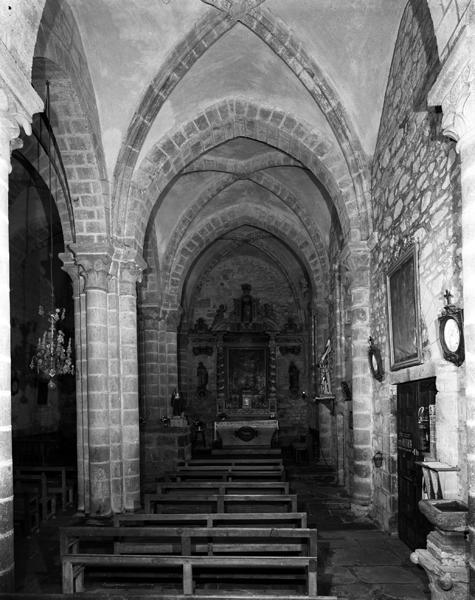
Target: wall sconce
{"points": [[378, 459]]}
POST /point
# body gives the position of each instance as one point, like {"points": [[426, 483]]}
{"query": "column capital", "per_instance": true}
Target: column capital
{"points": [[454, 90], [94, 264], [18, 100], [72, 269]]}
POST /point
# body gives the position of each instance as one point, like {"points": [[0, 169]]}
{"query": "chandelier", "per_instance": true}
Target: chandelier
{"points": [[53, 355]]}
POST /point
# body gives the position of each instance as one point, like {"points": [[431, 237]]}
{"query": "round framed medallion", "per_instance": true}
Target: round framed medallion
{"points": [[451, 335], [375, 362]]}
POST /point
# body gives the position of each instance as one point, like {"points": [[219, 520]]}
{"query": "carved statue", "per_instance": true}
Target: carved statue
{"points": [[324, 367], [294, 375], [178, 403], [202, 377]]}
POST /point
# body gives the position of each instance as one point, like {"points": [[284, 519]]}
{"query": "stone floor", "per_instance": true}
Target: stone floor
{"points": [[356, 560]]}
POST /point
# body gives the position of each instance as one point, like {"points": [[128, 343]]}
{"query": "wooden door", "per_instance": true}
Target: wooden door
{"points": [[413, 399]]}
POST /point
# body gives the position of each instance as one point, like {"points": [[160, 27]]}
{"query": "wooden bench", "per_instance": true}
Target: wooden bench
{"points": [[59, 480], [269, 568], [190, 541], [219, 502], [224, 473], [136, 595], [246, 450], [36, 485], [231, 462], [26, 511], [284, 519], [223, 487]]}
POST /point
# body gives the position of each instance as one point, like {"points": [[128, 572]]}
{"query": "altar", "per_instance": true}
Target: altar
{"points": [[246, 432]]}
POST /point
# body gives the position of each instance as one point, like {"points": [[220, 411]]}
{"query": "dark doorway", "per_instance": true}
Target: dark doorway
{"points": [[413, 398]]}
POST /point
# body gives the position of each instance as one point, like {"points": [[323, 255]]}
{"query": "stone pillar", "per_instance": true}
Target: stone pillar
{"points": [[454, 90], [94, 268], [168, 357], [18, 103], [361, 485], [80, 341], [130, 272], [151, 409]]}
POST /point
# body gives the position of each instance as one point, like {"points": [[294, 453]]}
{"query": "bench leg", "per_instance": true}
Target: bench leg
{"points": [[68, 583], [312, 578], [187, 579]]}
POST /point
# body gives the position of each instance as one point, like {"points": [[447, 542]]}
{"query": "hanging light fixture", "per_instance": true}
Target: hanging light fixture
{"points": [[53, 355]]}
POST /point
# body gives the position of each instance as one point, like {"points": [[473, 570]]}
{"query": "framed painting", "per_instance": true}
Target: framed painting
{"points": [[246, 378], [404, 312]]}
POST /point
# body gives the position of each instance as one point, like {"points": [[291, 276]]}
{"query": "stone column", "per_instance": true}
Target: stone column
{"points": [[361, 485], [18, 103], [94, 268], [168, 357], [80, 344], [130, 272], [454, 90], [152, 411]]}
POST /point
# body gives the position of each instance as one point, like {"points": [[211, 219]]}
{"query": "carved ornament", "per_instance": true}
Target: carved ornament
{"points": [[206, 350]]}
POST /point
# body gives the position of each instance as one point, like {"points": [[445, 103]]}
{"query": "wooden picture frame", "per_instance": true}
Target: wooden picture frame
{"points": [[404, 311]]}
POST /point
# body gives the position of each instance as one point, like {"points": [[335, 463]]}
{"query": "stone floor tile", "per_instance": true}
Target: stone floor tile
{"points": [[387, 574]]}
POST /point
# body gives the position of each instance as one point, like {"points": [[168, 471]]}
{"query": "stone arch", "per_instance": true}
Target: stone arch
{"points": [[267, 160], [34, 157], [229, 252], [226, 220], [264, 180], [226, 120], [74, 117], [283, 43]]}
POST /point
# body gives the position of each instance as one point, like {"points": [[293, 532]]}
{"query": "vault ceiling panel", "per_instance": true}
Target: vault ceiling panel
{"points": [[238, 65], [353, 42], [125, 42]]}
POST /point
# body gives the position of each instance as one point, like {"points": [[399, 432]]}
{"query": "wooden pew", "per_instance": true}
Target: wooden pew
{"points": [[36, 485], [26, 511], [223, 487], [268, 567], [231, 462], [219, 502], [248, 450], [190, 541], [58, 480], [225, 473], [251, 519], [137, 595]]}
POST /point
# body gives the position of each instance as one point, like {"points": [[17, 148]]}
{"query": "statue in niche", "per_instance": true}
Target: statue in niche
{"points": [[219, 316], [294, 375], [178, 403], [200, 326], [324, 367], [202, 378]]}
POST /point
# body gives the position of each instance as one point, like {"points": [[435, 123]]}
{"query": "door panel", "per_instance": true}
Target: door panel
{"points": [[413, 398]]}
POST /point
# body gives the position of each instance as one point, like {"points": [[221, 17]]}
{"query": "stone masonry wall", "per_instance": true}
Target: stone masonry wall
{"points": [[416, 197]]}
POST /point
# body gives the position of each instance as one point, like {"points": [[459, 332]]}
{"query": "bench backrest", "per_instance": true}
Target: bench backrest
{"points": [[223, 487], [253, 519], [220, 501], [188, 541]]}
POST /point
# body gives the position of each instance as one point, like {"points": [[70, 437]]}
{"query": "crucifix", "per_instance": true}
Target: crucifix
{"points": [[448, 297]]}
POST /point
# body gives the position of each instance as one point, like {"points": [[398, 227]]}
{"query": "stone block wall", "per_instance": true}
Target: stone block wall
{"points": [[416, 197], [162, 448]]}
